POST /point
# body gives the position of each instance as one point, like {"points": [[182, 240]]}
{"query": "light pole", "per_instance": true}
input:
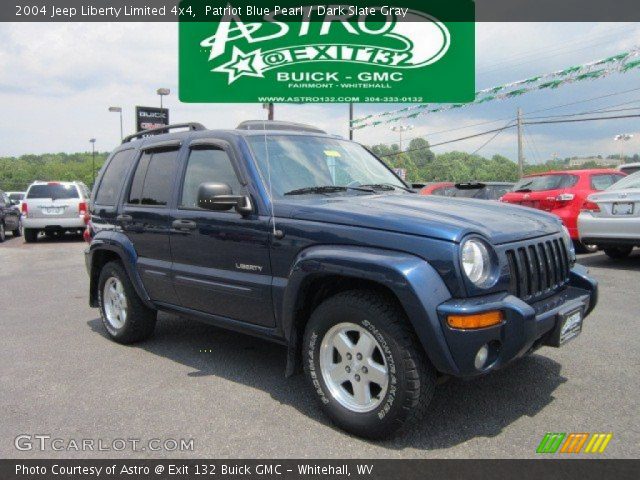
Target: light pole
{"points": [[93, 161], [401, 129], [271, 110], [118, 110], [623, 137], [162, 92]]}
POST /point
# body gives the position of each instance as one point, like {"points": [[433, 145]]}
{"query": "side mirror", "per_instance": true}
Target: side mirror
{"points": [[219, 197]]}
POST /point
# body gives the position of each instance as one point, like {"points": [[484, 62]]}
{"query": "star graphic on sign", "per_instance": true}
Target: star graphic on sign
{"points": [[241, 64]]}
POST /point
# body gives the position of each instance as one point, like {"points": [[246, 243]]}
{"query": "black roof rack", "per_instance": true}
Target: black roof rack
{"points": [[191, 126], [277, 125]]}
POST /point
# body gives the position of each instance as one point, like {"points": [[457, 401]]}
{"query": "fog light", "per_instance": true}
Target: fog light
{"points": [[481, 356]]}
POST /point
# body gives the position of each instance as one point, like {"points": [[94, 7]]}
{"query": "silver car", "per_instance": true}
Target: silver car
{"points": [[54, 208], [611, 218]]}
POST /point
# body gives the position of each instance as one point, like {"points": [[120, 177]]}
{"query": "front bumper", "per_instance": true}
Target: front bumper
{"points": [[525, 326]]}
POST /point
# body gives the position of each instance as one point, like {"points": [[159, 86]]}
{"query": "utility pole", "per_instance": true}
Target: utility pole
{"points": [[93, 161], [350, 120], [520, 150]]}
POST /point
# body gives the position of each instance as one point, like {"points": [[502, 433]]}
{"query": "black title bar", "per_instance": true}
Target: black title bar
{"points": [[169, 10]]}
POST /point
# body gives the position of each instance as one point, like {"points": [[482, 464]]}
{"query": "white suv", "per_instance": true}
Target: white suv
{"points": [[54, 208]]}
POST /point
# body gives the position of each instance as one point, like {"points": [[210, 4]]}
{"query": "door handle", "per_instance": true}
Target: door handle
{"points": [[124, 218], [184, 225]]}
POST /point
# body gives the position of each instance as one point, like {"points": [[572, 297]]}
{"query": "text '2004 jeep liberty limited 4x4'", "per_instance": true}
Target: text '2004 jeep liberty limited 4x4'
{"points": [[282, 231]]}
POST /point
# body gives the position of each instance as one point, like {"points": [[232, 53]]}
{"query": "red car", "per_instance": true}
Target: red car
{"points": [[563, 193], [438, 188]]}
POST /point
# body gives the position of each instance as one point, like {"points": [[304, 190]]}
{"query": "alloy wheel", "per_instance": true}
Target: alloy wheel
{"points": [[354, 367], [115, 302]]}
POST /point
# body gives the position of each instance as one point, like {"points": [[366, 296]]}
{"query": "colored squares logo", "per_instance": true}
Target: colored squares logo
{"points": [[574, 443]]}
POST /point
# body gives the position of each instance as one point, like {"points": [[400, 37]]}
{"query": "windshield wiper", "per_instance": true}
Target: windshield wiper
{"points": [[386, 186], [523, 190], [326, 189]]}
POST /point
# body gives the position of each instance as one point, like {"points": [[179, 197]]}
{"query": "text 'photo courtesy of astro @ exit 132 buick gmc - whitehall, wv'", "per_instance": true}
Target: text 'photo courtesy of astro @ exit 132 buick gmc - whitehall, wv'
{"points": [[281, 231]]}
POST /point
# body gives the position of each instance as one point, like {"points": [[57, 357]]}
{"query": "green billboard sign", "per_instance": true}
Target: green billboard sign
{"points": [[409, 52]]}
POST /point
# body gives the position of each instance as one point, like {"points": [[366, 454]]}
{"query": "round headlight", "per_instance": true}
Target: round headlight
{"points": [[476, 262]]}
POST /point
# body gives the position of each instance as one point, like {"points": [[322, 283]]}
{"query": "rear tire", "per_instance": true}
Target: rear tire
{"points": [[30, 235], [3, 233], [583, 248], [618, 253], [124, 316], [398, 384]]}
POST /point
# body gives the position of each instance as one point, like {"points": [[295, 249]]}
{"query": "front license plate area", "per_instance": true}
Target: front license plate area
{"points": [[568, 327], [622, 208]]}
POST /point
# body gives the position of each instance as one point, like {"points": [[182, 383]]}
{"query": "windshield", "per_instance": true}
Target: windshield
{"points": [[630, 169], [632, 181], [53, 190], [304, 161], [470, 192], [16, 196], [545, 182]]}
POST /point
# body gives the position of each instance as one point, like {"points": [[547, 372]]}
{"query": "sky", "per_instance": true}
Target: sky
{"points": [[58, 80]]}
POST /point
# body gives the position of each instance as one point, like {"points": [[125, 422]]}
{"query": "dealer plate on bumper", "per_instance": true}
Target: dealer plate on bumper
{"points": [[568, 327]]}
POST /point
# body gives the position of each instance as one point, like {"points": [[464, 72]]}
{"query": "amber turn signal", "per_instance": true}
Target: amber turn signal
{"points": [[478, 320]]}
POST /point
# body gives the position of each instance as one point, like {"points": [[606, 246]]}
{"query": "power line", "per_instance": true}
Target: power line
{"points": [[548, 53], [448, 141], [574, 120], [546, 109], [488, 132], [492, 138], [547, 50]]}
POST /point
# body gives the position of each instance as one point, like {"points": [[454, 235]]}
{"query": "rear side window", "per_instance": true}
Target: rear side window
{"points": [[153, 178], [112, 179], [604, 181], [207, 166], [545, 182], [53, 191]]}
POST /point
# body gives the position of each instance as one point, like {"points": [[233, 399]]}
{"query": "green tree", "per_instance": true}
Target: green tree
{"points": [[420, 153]]}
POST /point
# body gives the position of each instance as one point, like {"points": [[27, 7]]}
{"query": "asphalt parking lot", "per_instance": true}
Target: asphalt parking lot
{"points": [[62, 377]]}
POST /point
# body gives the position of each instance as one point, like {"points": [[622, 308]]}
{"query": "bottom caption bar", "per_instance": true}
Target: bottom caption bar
{"points": [[584, 469]]}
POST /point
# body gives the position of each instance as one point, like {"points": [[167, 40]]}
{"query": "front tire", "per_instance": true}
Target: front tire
{"points": [[124, 316], [3, 233], [618, 253], [366, 365], [18, 231]]}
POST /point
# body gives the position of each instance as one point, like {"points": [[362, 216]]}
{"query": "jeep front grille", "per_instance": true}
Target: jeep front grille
{"points": [[538, 268]]}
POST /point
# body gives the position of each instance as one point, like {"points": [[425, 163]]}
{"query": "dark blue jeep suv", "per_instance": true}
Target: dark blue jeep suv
{"points": [[282, 231]]}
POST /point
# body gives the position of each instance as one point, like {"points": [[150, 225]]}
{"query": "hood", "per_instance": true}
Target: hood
{"points": [[430, 216]]}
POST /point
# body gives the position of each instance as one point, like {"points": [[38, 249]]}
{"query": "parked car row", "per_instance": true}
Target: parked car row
{"points": [[478, 190], [563, 193], [609, 220]]}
